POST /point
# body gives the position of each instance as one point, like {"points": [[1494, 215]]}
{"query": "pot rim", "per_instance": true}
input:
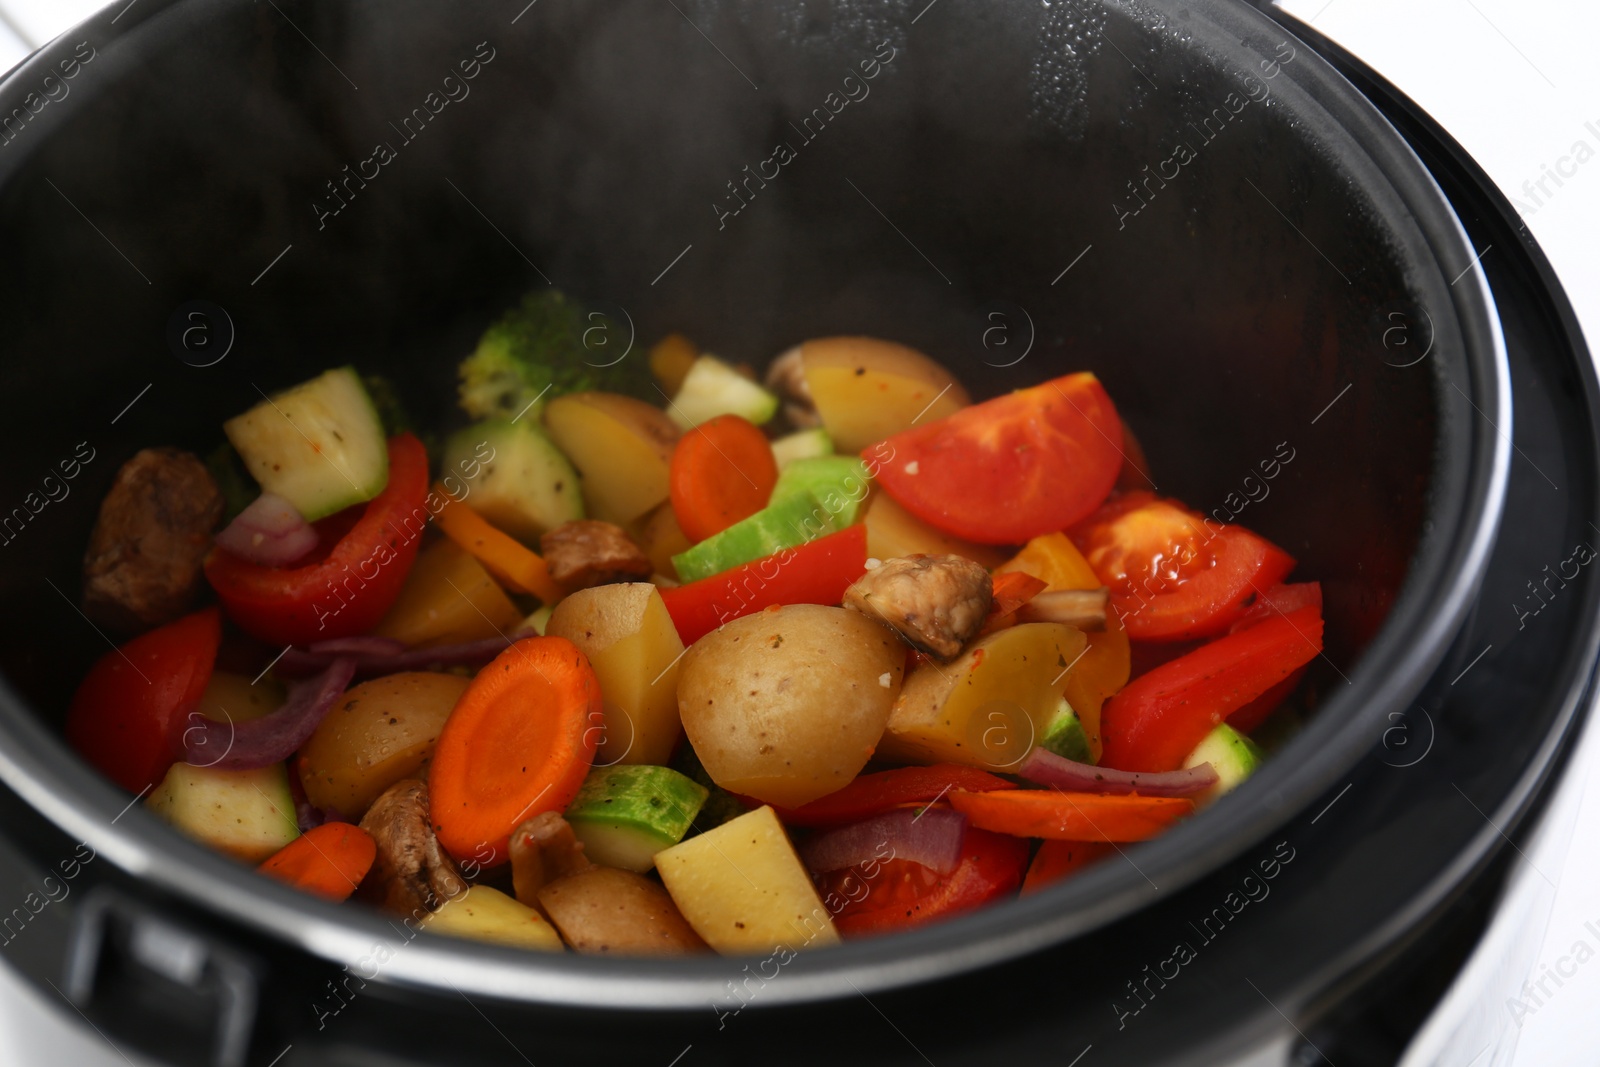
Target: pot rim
{"points": [[1438, 591]]}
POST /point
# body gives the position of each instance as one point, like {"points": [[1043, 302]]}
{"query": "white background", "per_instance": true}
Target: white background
{"points": [[1515, 81]]}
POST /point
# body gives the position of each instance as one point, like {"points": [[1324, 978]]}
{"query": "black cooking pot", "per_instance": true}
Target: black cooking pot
{"points": [[200, 199]]}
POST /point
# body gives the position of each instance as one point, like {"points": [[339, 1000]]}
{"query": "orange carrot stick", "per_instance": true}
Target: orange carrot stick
{"points": [[1059, 816], [511, 562], [329, 860]]}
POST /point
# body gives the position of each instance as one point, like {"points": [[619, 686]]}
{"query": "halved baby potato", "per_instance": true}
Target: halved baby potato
{"points": [[379, 732], [988, 707], [865, 389], [621, 447]]}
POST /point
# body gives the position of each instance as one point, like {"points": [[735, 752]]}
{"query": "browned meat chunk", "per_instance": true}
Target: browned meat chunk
{"points": [[412, 874], [143, 566], [938, 603], [589, 552]]}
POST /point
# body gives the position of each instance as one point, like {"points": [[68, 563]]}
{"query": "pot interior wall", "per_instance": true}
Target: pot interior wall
{"points": [[1226, 291]]}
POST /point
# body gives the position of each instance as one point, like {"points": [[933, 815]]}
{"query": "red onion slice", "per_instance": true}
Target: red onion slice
{"points": [[269, 532], [369, 645], [930, 836], [374, 656], [1047, 768], [264, 741]]}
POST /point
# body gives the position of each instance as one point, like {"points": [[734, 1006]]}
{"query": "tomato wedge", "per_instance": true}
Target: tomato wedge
{"points": [[128, 716], [1058, 860], [349, 590], [817, 572], [872, 794], [1011, 468], [1158, 718], [1172, 575], [722, 471], [1058, 816], [880, 898]]}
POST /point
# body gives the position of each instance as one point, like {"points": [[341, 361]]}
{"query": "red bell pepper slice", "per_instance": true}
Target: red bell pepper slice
{"points": [[349, 590], [128, 716], [817, 572], [1253, 714], [1158, 718], [881, 898], [873, 794], [1280, 600]]}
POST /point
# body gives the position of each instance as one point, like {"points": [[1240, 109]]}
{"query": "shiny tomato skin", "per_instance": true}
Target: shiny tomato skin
{"points": [[1009, 469], [1173, 575], [128, 715], [898, 894], [350, 588]]}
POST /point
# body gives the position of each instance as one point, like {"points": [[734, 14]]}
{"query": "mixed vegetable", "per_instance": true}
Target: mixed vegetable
{"points": [[778, 662]]}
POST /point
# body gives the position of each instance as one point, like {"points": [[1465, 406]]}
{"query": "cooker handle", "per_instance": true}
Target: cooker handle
{"points": [[146, 978]]}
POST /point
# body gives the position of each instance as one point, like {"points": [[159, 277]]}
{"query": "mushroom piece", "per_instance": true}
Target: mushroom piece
{"points": [[597, 909], [412, 873], [605, 910], [1083, 608], [588, 552], [787, 378], [544, 849], [937, 603], [143, 565]]}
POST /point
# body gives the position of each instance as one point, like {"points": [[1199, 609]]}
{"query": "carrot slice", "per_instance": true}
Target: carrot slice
{"points": [[1057, 860], [1059, 816], [329, 860], [511, 562], [518, 744], [722, 471]]}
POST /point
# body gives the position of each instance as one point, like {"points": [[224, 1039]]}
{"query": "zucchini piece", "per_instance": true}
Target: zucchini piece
{"points": [[319, 445], [838, 483], [1231, 754], [774, 528], [513, 476], [1064, 735], [247, 814], [625, 814], [713, 388], [802, 444]]}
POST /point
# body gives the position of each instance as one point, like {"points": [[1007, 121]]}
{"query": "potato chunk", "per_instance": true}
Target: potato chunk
{"points": [[629, 638], [787, 704], [743, 889]]}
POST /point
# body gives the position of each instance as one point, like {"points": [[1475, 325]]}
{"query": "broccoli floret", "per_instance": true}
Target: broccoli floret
{"points": [[546, 346], [392, 412]]}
